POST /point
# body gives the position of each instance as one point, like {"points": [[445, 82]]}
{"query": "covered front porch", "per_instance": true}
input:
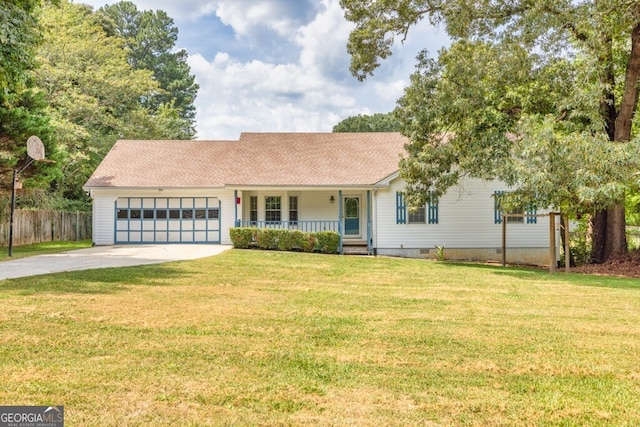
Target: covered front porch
{"points": [[346, 212]]}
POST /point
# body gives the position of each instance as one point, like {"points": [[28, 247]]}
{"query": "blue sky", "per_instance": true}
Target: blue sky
{"points": [[280, 65]]}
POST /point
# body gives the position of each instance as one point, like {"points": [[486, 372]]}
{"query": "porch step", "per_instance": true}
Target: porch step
{"points": [[355, 248]]}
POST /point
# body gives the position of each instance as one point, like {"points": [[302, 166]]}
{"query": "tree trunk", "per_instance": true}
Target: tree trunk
{"points": [[616, 242], [599, 237], [609, 228]]}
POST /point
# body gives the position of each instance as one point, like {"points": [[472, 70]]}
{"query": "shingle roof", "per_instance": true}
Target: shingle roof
{"points": [[257, 159]]}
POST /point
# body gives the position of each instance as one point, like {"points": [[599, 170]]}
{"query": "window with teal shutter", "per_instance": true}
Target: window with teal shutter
{"points": [[497, 212], [419, 216], [401, 209]]}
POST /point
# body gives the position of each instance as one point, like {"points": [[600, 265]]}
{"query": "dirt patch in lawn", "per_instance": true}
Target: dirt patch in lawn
{"points": [[627, 265]]}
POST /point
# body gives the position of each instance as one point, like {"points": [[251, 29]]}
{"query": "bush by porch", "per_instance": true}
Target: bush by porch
{"points": [[327, 242]]}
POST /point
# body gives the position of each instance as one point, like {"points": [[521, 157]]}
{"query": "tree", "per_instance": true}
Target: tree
{"points": [[22, 107], [517, 71], [150, 37], [363, 123], [92, 92]]}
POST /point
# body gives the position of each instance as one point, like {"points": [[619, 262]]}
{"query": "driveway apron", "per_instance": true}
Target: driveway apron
{"points": [[105, 257]]}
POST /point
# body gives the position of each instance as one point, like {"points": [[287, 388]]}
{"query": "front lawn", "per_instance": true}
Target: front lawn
{"points": [[272, 338], [44, 248]]}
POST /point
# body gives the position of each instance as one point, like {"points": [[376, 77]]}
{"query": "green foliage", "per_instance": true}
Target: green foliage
{"points": [[362, 123], [328, 242], [18, 39], [632, 209], [285, 240], [93, 94], [22, 107], [150, 38], [242, 237], [535, 96]]}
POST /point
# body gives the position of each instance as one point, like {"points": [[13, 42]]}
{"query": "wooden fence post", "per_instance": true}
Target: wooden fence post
{"points": [[552, 243], [504, 240], [567, 246]]}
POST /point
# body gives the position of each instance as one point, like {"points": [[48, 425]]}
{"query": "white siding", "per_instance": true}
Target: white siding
{"points": [[103, 219], [312, 205], [104, 208], [465, 220]]}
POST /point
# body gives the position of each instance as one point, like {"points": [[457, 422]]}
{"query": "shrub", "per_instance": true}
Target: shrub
{"points": [[267, 238], [309, 243], [243, 237], [284, 240], [328, 242]]}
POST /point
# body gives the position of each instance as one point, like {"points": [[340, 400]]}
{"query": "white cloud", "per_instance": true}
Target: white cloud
{"points": [[323, 41], [247, 16], [310, 90], [255, 96]]}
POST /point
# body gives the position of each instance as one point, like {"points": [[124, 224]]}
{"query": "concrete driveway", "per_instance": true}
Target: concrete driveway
{"points": [[104, 257]]}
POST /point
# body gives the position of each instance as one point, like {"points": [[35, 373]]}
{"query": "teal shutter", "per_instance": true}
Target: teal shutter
{"points": [[532, 219], [432, 209], [401, 209], [497, 212]]}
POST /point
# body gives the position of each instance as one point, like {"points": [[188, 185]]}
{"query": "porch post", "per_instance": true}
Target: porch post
{"points": [[340, 218], [369, 222], [235, 206]]}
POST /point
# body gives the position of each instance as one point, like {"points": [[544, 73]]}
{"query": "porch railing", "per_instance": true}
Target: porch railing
{"points": [[306, 226]]}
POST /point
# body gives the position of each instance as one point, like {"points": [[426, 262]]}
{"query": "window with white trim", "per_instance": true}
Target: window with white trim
{"points": [[423, 215], [293, 209], [253, 208], [519, 214], [272, 209]]}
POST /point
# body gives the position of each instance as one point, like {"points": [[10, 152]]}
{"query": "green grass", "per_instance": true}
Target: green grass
{"points": [[268, 338], [42, 249]]}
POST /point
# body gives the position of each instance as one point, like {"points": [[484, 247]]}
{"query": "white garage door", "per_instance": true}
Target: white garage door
{"points": [[167, 220]]}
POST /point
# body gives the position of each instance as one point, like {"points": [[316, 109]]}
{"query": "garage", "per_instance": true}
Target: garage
{"points": [[167, 220]]}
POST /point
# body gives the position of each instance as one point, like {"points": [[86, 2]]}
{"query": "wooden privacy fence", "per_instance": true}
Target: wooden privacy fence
{"points": [[45, 226]]}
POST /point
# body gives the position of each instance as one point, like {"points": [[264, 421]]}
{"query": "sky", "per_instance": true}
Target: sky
{"points": [[281, 65]]}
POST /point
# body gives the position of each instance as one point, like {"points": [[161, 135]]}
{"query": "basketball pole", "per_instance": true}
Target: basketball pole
{"points": [[16, 172]]}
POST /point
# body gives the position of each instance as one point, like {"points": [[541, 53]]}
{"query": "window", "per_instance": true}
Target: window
{"points": [[253, 208], [272, 209], [123, 214], [293, 209], [135, 214], [497, 212], [201, 214], [424, 214], [213, 213], [419, 216], [516, 219], [148, 214], [161, 214]]}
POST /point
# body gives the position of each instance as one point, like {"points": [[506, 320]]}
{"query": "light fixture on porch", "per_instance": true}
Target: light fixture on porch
{"points": [[332, 199]]}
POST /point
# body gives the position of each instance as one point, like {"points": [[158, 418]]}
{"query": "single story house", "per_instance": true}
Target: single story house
{"points": [[195, 191]]}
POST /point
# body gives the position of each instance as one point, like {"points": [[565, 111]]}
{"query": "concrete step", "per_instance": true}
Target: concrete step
{"points": [[355, 250]]}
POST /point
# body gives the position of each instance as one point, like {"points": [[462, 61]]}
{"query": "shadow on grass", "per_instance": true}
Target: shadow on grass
{"points": [[540, 274], [96, 281]]}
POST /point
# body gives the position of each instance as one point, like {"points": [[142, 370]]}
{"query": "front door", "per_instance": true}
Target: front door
{"points": [[352, 216]]}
